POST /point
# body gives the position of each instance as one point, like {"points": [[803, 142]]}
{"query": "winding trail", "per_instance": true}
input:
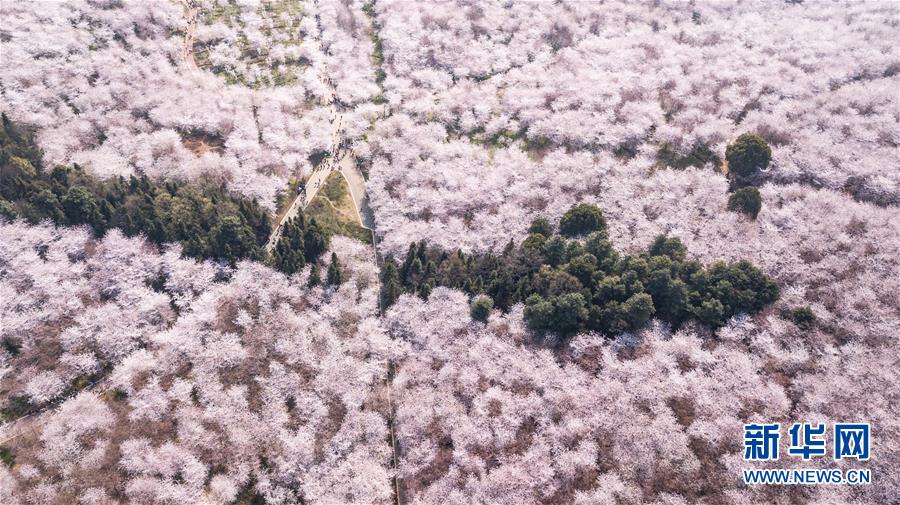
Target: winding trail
{"points": [[339, 158], [191, 12]]}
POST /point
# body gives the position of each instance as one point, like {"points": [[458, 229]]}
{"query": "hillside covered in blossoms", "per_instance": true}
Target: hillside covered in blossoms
{"points": [[263, 252]]}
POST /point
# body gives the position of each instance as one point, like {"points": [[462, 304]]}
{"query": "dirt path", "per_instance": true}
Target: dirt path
{"points": [[339, 158], [191, 11], [343, 160], [315, 182]]}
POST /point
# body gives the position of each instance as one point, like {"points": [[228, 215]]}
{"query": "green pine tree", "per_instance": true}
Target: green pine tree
{"points": [[335, 277], [314, 277]]}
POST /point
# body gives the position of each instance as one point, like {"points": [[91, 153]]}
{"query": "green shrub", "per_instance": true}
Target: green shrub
{"points": [[698, 156], [7, 209], [7, 457], [746, 201], [535, 241], [12, 345], [481, 308], [582, 219], [16, 407], [748, 155], [542, 226], [803, 317]]}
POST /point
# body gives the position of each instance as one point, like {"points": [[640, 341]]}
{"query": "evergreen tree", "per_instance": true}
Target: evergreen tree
{"points": [[746, 201], [570, 313], [555, 251], [535, 241], [390, 283], [81, 207], [542, 226], [411, 255], [670, 247], [747, 156], [539, 313], [233, 240], [422, 251], [288, 255], [481, 308], [582, 219], [315, 241], [334, 277], [46, 204], [803, 317], [638, 309], [314, 277]]}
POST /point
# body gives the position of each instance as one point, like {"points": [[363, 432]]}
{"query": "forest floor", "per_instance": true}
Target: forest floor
{"points": [[199, 144]]}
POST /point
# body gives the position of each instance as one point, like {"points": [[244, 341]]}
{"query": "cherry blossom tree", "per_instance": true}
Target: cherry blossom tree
{"points": [[158, 379]]}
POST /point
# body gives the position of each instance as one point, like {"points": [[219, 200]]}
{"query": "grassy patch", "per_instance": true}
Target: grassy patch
{"points": [[16, 407], [337, 191], [698, 156], [377, 45], [501, 139], [280, 19], [333, 209], [536, 148], [116, 394], [7, 457]]}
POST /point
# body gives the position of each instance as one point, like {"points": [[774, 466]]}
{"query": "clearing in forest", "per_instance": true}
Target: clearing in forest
{"points": [[333, 208]]}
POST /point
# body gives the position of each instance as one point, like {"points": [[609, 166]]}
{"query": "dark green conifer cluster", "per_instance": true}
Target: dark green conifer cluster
{"points": [[301, 240], [202, 216], [569, 286]]}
